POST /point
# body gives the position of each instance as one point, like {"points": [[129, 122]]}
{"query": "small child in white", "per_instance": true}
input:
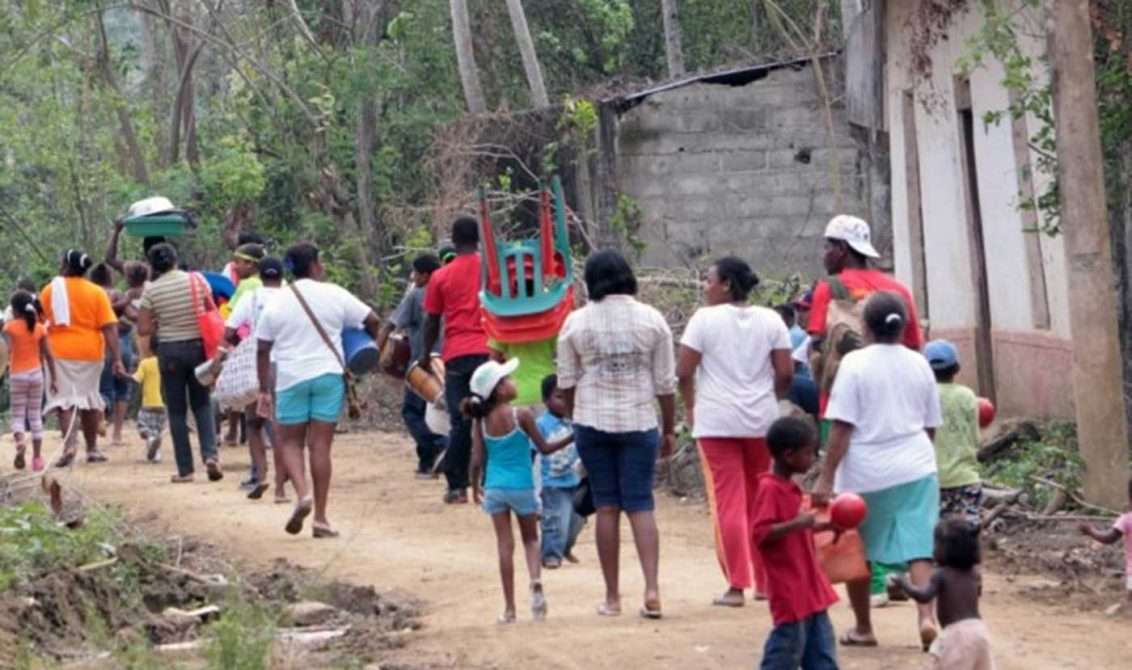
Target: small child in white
{"points": [[955, 587], [1121, 529]]}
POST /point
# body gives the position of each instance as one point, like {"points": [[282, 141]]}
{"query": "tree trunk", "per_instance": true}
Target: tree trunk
{"points": [[466, 57], [153, 67], [1098, 390], [184, 113], [528, 53], [364, 135], [673, 42], [129, 138]]}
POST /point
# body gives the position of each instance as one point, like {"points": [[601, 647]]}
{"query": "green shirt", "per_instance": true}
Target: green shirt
{"points": [[245, 287], [957, 440], [536, 362]]}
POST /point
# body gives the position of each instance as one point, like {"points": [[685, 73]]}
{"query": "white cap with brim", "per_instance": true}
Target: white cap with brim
{"points": [[487, 376], [853, 231]]}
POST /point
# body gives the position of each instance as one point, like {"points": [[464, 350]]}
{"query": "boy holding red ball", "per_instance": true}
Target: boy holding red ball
{"points": [[957, 440], [798, 590]]}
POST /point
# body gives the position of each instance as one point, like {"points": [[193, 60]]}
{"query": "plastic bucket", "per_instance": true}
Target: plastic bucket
{"points": [[437, 419], [361, 351], [427, 384]]}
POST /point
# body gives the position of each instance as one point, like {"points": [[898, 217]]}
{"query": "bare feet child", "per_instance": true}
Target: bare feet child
{"points": [[1121, 529], [798, 591], [502, 436], [955, 586]]}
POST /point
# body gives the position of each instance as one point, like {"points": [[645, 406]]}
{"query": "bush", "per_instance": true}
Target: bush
{"points": [[1054, 457], [34, 543], [241, 638]]}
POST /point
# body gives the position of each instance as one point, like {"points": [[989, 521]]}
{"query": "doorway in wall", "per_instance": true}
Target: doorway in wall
{"points": [[984, 346]]}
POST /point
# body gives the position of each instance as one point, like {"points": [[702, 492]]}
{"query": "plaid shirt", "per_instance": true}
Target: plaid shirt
{"points": [[618, 353]]}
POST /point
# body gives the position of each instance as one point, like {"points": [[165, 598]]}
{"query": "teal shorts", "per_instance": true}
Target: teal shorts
{"points": [[318, 399], [901, 522]]}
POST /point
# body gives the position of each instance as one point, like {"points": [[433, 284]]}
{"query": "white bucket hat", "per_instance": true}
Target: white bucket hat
{"points": [[853, 231], [487, 376]]}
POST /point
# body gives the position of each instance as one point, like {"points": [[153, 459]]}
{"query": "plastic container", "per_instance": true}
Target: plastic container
{"points": [[361, 352], [165, 224]]}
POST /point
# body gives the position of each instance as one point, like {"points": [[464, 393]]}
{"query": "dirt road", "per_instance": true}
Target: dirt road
{"points": [[398, 536]]}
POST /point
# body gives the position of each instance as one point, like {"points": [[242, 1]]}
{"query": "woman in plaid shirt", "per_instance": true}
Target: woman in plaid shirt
{"points": [[615, 356]]}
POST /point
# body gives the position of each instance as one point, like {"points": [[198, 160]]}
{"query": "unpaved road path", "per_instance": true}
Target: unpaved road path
{"points": [[397, 535]]}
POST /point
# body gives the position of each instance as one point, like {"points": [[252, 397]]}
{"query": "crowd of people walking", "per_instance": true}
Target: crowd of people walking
{"points": [[553, 432]]}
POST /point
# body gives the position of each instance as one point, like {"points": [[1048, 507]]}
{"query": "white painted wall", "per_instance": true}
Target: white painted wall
{"points": [[950, 287]]}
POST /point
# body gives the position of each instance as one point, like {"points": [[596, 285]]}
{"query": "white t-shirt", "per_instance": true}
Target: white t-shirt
{"points": [[889, 394], [735, 380], [300, 352]]}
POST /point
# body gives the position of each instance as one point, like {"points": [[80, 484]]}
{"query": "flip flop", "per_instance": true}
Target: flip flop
{"points": [[282, 500], [96, 457], [651, 610], [258, 491], [214, 472], [505, 619], [302, 511], [320, 531], [20, 463], [851, 640], [605, 609], [66, 459], [724, 601]]}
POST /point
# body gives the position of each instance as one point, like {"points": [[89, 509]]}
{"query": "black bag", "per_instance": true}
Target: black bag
{"points": [[584, 499]]}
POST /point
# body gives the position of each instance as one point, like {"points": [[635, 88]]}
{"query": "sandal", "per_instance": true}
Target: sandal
{"points": [[96, 457], [605, 609], [258, 491], [729, 600], [320, 531], [538, 602], [302, 511], [651, 610], [66, 459], [20, 463], [214, 473], [505, 618], [850, 639], [282, 500], [181, 479]]}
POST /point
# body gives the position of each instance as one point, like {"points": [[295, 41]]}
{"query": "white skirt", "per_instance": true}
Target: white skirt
{"points": [[77, 383]]}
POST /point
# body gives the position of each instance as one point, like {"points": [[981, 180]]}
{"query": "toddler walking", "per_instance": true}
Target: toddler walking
{"points": [[798, 590], [502, 436], [560, 481], [955, 586], [27, 354], [1122, 529], [151, 416]]}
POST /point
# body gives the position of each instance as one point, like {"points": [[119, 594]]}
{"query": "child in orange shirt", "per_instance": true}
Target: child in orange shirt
{"points": [[27, 352]]}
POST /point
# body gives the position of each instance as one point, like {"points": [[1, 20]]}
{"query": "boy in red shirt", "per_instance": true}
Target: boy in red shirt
{"points": [[798, 591]]}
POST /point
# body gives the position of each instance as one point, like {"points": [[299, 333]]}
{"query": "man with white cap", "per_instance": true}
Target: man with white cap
{"points": [[848, 248]]}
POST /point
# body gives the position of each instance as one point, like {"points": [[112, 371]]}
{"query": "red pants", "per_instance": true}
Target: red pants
{"points": [[731, 471]]}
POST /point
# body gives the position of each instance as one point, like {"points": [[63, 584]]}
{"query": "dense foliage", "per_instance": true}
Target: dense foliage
{"points": [[258, 117]]}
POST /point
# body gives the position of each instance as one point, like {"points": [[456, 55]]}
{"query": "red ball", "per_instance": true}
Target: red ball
{"points": [[848, 511], [986, 412]]}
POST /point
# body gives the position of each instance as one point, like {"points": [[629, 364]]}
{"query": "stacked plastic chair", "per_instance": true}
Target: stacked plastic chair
{"points": [[527, 286]]}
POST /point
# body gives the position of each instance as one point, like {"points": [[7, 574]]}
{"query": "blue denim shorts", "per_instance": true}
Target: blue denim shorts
{"points": [[318, 399], [520, 501], [621, 467]]}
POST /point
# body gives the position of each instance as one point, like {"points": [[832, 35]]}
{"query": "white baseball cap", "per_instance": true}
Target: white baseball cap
{"points": [[487, 376], [853, 231]]}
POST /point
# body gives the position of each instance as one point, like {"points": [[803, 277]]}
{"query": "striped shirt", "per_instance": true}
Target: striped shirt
{"points": [[618, 353], [170, 298]]}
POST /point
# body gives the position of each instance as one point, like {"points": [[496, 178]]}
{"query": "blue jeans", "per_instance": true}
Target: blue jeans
{"points": [[807, 644], [429, 444], [560, 523]]}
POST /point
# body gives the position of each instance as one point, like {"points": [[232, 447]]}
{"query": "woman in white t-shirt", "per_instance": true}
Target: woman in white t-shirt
{"points": [[733, 367], [884, 407]]}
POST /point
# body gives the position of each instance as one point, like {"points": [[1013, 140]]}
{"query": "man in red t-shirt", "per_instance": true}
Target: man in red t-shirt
{"points": [[453, 295], [848, 248]]}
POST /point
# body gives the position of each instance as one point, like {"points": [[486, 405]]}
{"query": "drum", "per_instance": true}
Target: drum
{"points": [[427, 384], [395, 356]]}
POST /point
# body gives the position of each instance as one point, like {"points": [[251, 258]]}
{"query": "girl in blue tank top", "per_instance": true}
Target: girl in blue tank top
{"points": [[502, 436]]}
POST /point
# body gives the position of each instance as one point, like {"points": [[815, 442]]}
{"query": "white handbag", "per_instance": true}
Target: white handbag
{"points": [[238, 384]]}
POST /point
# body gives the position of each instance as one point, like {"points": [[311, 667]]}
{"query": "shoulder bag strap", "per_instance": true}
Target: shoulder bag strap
{"points": [[318, 326], [837, 288]]}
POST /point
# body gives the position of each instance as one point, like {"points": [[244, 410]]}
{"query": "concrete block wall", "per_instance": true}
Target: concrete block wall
{"points": [[744, 170]]}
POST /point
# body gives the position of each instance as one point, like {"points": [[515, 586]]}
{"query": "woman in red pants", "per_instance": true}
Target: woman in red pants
{"points": [[733, 367]]}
